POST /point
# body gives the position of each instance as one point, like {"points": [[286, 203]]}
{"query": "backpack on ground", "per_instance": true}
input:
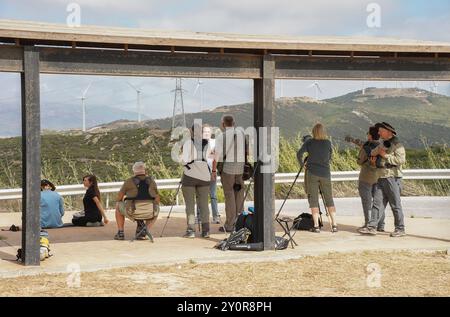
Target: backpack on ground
{"points": [[235, 238], [246, 220], [304, 222], [281, 243]]}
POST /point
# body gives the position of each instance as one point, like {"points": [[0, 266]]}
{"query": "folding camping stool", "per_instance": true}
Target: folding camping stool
{"points": [[140, 211], [143, 231], [287, 224]]}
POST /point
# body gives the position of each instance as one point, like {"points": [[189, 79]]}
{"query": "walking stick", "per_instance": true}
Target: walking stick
{"points": [[171, 207]]}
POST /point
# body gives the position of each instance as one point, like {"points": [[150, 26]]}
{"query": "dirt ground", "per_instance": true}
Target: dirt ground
{"points": [[336, 274]]}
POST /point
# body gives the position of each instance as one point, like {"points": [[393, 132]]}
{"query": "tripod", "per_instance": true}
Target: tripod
{"points": [[284, 222], [171, 207], [326, 211]]}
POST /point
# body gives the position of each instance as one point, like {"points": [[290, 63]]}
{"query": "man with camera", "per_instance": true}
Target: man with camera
{"points": [[389, 185]]}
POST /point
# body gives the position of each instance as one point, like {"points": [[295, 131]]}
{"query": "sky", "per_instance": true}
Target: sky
{"points": [[416, 19]]}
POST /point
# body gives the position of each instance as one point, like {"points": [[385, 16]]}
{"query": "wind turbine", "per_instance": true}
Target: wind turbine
{"points": [[281, 88], [317, 88], [83, 106], [197, 88], [434, 87], [138, 99]]}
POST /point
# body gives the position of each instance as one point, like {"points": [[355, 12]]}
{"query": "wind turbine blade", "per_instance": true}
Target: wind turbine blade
{"points": [[132, 86], [86, 90], [196, 88], [318, 87]]}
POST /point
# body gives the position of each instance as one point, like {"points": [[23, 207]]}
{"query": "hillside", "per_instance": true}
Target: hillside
{"points": [[60, 117], [415, 113]]}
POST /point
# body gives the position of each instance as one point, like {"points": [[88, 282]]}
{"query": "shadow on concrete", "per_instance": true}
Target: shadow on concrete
{"points": [[176, 227]]}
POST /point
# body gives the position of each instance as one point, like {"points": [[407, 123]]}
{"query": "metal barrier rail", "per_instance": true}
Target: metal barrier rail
{"points": [[280, 178]]}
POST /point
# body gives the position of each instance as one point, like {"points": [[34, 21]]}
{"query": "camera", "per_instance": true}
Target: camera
{"points": [[237, 187], [306, 138]]}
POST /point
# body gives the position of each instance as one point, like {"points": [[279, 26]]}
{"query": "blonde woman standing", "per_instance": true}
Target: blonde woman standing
{"points": [[318, 176]]}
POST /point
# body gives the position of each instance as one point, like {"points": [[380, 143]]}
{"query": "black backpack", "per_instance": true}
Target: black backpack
{"points": [[304, 222], [143, 186], [246, 221]]}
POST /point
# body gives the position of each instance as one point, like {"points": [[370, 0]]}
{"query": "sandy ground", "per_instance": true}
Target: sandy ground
{"points": [[336, 274]]}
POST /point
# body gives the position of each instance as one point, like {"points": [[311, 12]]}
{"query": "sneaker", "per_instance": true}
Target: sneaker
{"points": [[119, 236], [205, 234], [367, 230], [189, 234], [94, 224], [216, 220], [334, 229], [398, 233], [315, 229], [380, 230]]}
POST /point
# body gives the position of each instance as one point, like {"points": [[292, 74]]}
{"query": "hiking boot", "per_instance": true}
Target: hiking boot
{"points": [[315, 229], [368, 230], [189, 234], [398, 233], [216, 220], [119, 235]]}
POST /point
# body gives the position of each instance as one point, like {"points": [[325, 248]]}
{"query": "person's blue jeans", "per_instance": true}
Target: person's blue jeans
{"points": [[213, 196]]}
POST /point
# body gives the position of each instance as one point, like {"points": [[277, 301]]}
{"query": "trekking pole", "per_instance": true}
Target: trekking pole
{"points": [[171, 207]]}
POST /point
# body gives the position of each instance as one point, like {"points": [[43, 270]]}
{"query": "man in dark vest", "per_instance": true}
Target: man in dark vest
{"points": [[140, 187]]}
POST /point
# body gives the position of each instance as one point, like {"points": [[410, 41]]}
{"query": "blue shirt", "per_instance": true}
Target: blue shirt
{"points": [[52, 209]]}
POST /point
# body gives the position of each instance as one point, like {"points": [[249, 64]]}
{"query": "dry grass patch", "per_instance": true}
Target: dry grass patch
{"points": [[336, 274]]}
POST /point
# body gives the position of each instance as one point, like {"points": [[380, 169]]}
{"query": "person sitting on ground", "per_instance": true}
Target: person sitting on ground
{"points": [[93, 209], [140, 187], [51, 206]]}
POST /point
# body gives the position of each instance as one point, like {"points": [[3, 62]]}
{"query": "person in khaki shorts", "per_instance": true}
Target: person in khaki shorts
{"points": [[130, 189], [318, 176], [231, 151]]}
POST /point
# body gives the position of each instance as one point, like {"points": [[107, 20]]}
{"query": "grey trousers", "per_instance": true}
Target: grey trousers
{"points": [[201, 194], [366, 192], [234, 199], [387, 190]]}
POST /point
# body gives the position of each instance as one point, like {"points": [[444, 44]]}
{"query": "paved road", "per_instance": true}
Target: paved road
{"points": [[419, 207]]}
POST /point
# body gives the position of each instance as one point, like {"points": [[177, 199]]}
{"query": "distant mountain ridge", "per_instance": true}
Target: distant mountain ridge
{"points": [[415, 113]]}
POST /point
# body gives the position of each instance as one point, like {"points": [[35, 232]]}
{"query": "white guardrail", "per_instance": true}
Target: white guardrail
{"points": [[72, 190]]}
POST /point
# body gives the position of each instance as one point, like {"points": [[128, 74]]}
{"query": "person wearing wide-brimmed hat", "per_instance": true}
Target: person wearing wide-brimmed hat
{"points": [[51, 206], [389, 185]]}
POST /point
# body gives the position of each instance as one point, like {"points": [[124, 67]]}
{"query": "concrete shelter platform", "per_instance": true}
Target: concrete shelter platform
{"points": [[94, 248]]}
